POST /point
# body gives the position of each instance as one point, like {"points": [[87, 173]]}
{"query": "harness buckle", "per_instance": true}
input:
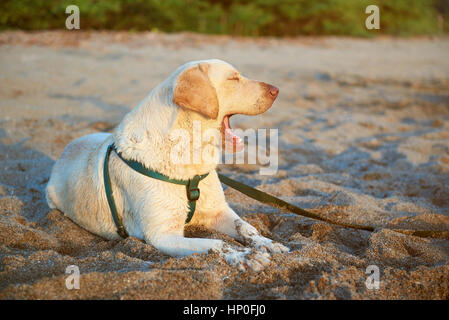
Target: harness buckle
{"points": [[193, 194]]}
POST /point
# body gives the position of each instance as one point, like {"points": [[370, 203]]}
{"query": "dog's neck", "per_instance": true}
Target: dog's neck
{"points": [[150, 134]]}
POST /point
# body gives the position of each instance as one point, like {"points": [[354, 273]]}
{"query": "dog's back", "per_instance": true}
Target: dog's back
{"points": [[76, 176]]}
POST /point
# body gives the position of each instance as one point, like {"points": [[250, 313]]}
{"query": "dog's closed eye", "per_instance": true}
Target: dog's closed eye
{"points": [[234, 77]]}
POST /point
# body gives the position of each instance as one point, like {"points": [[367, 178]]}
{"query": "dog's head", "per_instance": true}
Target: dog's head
{"points": [[216, 90]]}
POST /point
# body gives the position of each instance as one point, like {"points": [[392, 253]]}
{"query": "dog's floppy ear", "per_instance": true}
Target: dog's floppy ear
{"points": [[193, 90]]}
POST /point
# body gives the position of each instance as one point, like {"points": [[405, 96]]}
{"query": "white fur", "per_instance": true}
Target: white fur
{"points": [[151, 209]]}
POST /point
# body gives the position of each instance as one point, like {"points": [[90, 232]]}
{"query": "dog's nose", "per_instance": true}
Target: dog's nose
{"points": [[273, 91]]}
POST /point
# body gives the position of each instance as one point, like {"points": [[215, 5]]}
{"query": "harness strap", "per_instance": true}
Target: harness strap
{"points": [[192, 190], [108, 188]]}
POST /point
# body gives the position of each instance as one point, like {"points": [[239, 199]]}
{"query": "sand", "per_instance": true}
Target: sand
{"points": [[363, 138]]}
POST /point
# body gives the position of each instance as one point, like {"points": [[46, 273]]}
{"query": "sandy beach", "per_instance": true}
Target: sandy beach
{"points": [[363, 138]]}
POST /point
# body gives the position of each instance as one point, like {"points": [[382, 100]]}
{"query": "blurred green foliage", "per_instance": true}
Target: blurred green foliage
{"points": [[238, 17]]}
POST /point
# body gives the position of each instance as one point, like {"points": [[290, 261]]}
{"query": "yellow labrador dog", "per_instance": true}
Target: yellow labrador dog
{"points": [[202, 93]]}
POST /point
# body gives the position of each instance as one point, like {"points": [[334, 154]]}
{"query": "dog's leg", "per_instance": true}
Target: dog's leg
{"points": [[230, 223], [176, 245], [165, 231], [214, 213]]}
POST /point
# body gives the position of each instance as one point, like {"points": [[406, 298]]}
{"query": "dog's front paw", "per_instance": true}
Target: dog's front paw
{"points": [[264, 244], [276, 247], [245, 258], [249, 236], [279, 247], [256, 261]]}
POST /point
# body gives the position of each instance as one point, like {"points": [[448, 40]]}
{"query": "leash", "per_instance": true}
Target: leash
{"points": [[193, 194], [285, 206], [192, 190]]}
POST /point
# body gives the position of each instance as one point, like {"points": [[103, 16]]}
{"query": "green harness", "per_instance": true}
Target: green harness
{"points": [[193, 192]]}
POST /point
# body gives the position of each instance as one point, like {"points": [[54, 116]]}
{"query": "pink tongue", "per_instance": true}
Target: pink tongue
{"points": [[231, 140]]}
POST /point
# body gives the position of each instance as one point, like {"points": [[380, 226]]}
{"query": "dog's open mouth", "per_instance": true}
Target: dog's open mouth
{"points": [[231, 142]]}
